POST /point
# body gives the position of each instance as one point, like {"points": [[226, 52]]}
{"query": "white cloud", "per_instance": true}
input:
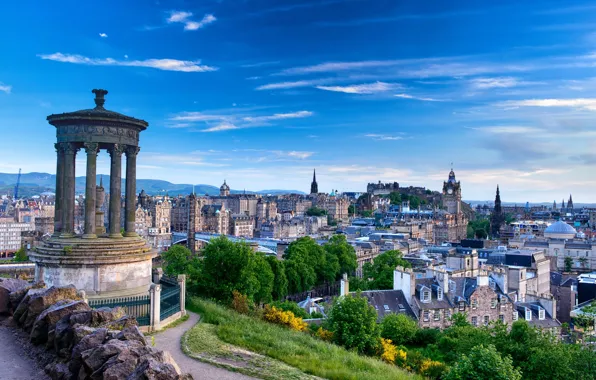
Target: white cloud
{"points": [[160, 64], [295, 84], [378, 137], [103, 35], [580, 103], [499, 82], [408, 96], [5, 88], [278, 116], [300, 155], [339, 66], [197, 116], [508, 129], [225, 126], [367, 88], [184, 17]]}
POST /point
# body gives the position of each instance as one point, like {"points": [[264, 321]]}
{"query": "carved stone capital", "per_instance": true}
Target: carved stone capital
{"points": [[132, 150], [91, 148], [70, 148], [116, 149]]}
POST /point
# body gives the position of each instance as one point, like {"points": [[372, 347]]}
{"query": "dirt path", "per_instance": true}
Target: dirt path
{"points": [[14, 362], [169, 340]]}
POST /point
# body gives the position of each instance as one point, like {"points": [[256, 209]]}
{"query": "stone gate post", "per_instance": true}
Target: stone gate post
{"points": [[154, 315], [182, 284]]}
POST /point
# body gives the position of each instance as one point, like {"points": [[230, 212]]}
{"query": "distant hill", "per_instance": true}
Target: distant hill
{"points": [[36, 183]]}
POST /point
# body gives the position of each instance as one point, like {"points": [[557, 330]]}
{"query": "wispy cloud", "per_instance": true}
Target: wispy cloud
{"points": [[499, 82], [579, 103], [260, 64], [278, 116], [339, 66], [422, 98], [422, 16], [367, 88], [508, 129], [165, 64], [5, 88], [184, 18], [379, 137], [103, 35], [294, 84], [225, 126]]}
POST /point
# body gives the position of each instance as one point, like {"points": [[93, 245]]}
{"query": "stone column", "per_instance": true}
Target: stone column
{"points": [[182, 284], [115, 189], [59, 201], [157, 275], [131, 189], [155, 312], [90, 190], [70, 152]]}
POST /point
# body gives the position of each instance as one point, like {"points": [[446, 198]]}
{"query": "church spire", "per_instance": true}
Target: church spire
{"points": [[314, 186], [570, 202]]}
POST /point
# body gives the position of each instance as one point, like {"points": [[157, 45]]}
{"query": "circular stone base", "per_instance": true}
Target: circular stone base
{"points": [[102, 267]]}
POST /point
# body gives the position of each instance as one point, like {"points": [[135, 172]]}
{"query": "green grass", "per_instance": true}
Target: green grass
{"points": [[296, 349]]}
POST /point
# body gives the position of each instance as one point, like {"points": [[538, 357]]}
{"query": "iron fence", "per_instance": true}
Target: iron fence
{"points": [[137, 306], [170, 297]]}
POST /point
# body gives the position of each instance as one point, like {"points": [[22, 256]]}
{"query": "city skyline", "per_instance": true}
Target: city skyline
{"points": [[262, 93]]}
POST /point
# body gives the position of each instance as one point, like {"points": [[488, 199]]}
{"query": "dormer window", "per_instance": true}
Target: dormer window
{"points": [[541, 314], [440, 294], [515, 315], [451, 286], [528, 314], [462, 306], [426, 296]]}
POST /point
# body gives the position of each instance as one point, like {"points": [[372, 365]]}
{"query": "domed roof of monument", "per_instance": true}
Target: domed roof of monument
{"points": [[560, 227], [99, 113], [224, 186]]}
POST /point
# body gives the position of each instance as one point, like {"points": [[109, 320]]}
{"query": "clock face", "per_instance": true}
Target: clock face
{"points": [[449, 191]]}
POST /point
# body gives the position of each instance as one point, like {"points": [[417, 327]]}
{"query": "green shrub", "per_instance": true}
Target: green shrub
{"points": [[293, 307]]}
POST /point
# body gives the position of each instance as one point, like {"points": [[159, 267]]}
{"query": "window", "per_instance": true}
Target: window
{"points": [[474, 304], [493, 303], [437, 315], [426, 316], [501, 318], [474, 321], [439, 293], [541, 315], [515, 315], [426, 296], [521, 275], [462, 306], [528, 314], [447, 314], [486, 319], [468, 262]]}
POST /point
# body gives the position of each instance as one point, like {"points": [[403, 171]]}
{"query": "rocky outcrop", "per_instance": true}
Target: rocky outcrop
{"points": [[8, 286], [87, 344]]}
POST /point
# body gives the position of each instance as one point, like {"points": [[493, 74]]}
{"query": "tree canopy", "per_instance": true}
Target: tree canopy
{"points": [[315, 211], [483, 362], [380, 271]]}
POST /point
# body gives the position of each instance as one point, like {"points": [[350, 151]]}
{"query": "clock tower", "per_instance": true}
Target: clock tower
{"points": [[452, 194]]}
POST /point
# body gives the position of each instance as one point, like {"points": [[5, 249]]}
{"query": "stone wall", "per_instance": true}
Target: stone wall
{"points": [[77, 342]]}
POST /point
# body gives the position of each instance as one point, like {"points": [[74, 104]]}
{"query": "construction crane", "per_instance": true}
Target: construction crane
{"points": [[16, 187]]}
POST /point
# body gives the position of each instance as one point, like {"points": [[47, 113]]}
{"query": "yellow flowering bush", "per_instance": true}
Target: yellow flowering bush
{"points": [[401, 359], [284, 318], [432, 368], [389, 351], [325, 335]]}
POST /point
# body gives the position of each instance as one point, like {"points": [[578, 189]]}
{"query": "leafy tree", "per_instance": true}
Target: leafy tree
{"points": [[509, 218], [354, 324], [21, 255], [459, 340], [339, 247], [459, 320], [484, 362], [366, 213], [293, 307], [315, 211], [357, 283], [229, 266], [568, 263], [351, 210], [380, 272], [414, 202], [399, 328], [583, 261], [395, 198], [480, 233], [280, 280], [176, 260], [308, 264]]}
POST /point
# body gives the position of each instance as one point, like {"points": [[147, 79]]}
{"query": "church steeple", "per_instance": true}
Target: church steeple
{"points": [[570, 203], [497, 218], [314, 186]]}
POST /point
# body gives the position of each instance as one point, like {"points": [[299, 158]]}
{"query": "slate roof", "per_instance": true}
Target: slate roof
{"points": [[557, 279], [547, 322], [210, 209], [434, 303], [388, 301]]}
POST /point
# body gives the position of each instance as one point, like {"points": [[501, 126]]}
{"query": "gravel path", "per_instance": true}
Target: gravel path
{"points": [[14, 362], [169, 340]]}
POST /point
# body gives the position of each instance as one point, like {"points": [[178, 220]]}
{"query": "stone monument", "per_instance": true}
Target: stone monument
{"points": [[103, 263]]}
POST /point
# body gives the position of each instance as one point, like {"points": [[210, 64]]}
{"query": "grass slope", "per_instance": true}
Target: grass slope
{"points": [[296, 349]]}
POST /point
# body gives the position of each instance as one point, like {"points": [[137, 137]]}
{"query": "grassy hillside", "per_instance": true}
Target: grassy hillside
{"points": [[297, 349]]}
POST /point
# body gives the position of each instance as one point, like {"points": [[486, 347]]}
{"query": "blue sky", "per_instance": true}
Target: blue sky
{"points": [[261, 92]]}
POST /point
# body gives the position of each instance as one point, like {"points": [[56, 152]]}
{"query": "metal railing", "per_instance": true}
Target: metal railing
{"points": [[170, 297], [138, 306]]}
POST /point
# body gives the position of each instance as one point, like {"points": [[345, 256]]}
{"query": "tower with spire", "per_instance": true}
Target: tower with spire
{"points": [[314, 186], [497, 218], [570, 203]]}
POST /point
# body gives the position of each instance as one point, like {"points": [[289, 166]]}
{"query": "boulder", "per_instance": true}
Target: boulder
{"points": [[48, 319], [8, 286], [152, 369], [85, 338], [37, 302], [132, 333], [65, 328], [122, 323], [58, 371], [94, 359], [21, 309]]}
